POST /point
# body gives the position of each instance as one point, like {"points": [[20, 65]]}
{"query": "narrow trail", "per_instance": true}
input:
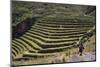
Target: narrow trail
{"points": [[85, 57]]}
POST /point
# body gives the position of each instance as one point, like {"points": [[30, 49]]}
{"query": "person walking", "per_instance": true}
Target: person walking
{"points": [[81, 48]]}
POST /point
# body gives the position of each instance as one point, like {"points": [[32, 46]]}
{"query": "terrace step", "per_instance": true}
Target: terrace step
{"points": [[54, 37], [21, 42], [65, 22], [20, 48], [36, 32], [53, 33], [36, 55], [41, 39], [63, 25], [63, 28], [54, 50], [31, 43], [59, 30]]}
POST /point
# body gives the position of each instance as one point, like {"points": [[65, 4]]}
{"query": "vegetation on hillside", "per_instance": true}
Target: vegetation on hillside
{"points": [[50, 32], [23, 10]]}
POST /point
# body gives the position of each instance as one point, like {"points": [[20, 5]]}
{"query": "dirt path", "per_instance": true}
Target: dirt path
{"points": [[87, 56], [84, 57]]}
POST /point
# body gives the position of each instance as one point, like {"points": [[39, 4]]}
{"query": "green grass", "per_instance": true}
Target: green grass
{"points": [[47, 36]]}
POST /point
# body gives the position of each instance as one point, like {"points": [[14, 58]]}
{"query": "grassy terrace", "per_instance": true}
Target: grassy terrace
{"points": [[21, 47], [21, 43], [62, 23], [66, 26], [48, 39], [53, 34], [36, 54], [41, 43], [29, 42], [69, 19], [18, 47], [56, 29], [63, 30], [44, 41], [55, 37]]}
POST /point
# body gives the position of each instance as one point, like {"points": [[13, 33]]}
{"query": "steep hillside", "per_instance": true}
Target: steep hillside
{"points": [[42, 30]]}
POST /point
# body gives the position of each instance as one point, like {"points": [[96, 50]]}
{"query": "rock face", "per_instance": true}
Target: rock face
{"points": [[22, 27]]}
